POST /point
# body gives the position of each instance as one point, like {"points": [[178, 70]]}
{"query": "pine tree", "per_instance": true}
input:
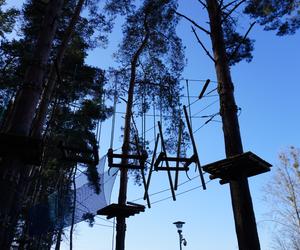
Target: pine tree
{"points": [[228, 48], [279, 15], [151, 61]]}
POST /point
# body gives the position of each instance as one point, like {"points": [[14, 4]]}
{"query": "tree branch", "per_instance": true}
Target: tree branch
{"points": [[203, 4], [239, 45], [220, 4], [193, 22], [202, 45], [232, 10], [227, 5]]}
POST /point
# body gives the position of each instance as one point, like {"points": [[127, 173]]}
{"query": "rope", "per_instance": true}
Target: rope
{"points": [[114, 119], [99, 129], [189, 103], [154, 122]]}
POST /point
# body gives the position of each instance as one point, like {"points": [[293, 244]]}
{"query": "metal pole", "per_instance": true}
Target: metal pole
{"points": [[180, 239]]}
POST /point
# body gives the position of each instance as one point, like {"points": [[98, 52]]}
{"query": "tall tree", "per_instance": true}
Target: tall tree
{"points": [[151, 62], [71, 103], [228, 48], [283, 195], [280, 15], [23, 112]]}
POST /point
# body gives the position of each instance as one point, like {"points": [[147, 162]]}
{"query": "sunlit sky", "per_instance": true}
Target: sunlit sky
{"points": [[267, 90]]}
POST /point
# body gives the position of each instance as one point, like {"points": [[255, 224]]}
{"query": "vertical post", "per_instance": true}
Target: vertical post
{"points": [[240, 194], [180, 239]]}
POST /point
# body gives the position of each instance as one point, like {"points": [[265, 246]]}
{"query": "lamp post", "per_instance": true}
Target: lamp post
{"points": [[182, 240]]}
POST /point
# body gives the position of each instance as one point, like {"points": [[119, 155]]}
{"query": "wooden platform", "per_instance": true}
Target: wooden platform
{"points": [[247, 164], [29, 149], [115, 210]]}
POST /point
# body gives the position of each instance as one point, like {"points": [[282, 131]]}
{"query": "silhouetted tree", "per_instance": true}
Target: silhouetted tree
{"points": [[283, 195], [7, 19], [151, 61], [280, 15], [230, 47]]}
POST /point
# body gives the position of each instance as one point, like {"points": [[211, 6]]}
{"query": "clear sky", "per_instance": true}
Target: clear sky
{"points": [[267, 90]]}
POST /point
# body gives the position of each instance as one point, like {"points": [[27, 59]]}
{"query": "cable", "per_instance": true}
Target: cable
{"points": [[168, 189], [106, 220], [169, 116], [184, 192], [208, 121], [206, 107], [196, 80], [114, 118], [98, 224]]}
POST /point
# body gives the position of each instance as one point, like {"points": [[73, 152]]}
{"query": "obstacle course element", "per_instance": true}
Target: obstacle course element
{"points": [[139, 157], [119, 210], [163, 158], [243, 165]]}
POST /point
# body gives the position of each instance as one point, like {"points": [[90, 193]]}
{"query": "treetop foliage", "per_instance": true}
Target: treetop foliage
{"points": [[161, 61], [280, 15], [7, 18]]}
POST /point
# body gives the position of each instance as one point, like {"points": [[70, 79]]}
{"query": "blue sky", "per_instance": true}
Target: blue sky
{"points": [[267, 90]]}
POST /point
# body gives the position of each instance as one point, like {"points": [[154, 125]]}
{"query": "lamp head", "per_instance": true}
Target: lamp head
{"points": [[179, 225]]}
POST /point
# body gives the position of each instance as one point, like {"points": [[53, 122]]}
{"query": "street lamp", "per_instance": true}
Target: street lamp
{"points": [[182, 240]]}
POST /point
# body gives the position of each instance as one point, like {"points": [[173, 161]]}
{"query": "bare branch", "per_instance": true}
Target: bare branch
{"points": [[239, 45], [193, 22], [227, 5], [202, 45], [220, 3], [203, 4], [232, 10]]}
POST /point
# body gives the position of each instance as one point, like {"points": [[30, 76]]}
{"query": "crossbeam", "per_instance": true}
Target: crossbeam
{"points": [[140, 157]]}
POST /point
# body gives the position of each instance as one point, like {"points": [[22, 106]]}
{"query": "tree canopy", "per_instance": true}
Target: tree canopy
{"points": [[283, 16]]}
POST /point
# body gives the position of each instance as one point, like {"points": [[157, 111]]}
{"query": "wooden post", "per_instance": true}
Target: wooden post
{"points": [[240, 194]]}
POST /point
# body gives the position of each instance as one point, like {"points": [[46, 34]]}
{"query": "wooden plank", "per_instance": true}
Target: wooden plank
{"points": [[167, 163], [171, 168], [178, 154], [127, 166], [194, 147], [204, 88], [246, 164], [151, 169]]}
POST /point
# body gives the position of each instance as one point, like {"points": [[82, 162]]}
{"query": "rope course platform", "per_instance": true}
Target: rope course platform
{"points": [[243, 165], [119, 210], [29, 149]]}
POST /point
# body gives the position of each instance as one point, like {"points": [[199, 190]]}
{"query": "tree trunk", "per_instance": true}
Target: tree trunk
{"points": [[240, 194], [58, 239], [13, 170], [121, 222], [39, 120]]}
